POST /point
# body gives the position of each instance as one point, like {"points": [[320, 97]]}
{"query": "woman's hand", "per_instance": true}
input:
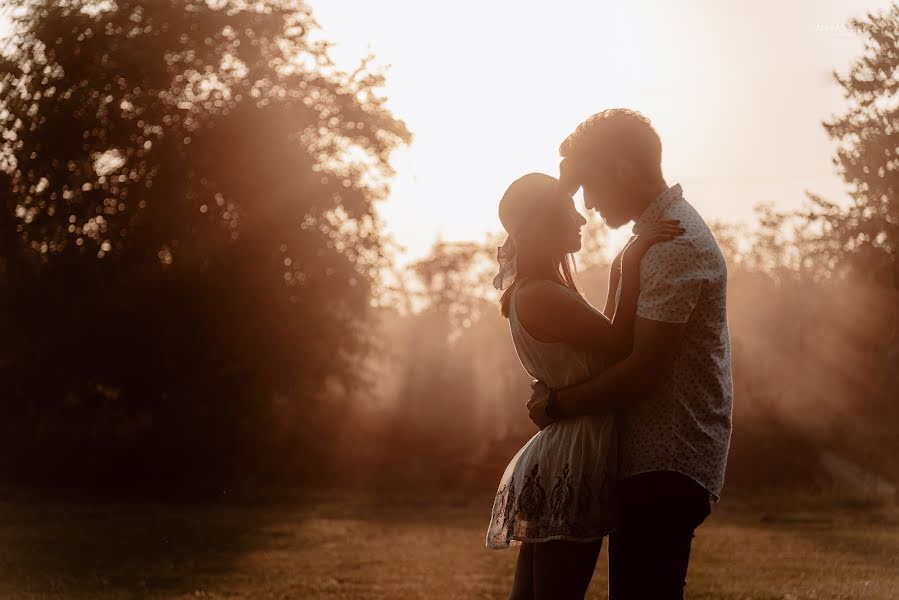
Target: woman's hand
{"points": [[662, 231]]}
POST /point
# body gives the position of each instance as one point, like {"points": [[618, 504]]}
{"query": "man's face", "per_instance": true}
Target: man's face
{"points": [[606, 192]]}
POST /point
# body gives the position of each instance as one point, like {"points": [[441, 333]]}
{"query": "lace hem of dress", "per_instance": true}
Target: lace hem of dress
{"points": [[533, 516], [502, 542]]}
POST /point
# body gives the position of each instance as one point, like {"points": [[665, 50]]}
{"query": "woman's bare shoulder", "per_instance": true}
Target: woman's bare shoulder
{"points": [[540, 291], [536, 297], [551, 312]]}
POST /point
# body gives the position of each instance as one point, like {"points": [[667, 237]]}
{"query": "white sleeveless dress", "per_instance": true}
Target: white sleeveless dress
{"points": [[561, 485]]}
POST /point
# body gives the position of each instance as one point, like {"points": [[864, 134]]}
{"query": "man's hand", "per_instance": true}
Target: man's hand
{"points": [[537, 404]]}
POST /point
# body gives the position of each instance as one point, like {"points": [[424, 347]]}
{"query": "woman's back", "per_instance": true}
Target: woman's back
{"points": [[557, 364]]}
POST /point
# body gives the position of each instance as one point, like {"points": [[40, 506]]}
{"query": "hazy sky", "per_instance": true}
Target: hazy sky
{"points": [[489, 88], [736, 91]]}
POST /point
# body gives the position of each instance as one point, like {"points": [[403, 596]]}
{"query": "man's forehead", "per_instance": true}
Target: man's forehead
{"points": [[567, 200]]}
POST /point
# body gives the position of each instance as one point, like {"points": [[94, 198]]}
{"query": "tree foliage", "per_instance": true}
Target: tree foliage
{"points": [[188, 233], [865, 237]]}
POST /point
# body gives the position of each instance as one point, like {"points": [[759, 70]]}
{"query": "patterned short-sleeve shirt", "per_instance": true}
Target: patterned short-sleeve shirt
{"points": [[685, 425]]}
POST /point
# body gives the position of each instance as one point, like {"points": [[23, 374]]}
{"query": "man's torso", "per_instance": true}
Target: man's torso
{"points": [[686, 425]]}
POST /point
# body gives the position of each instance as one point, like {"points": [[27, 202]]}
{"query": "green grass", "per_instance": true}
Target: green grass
{"points": [[362, 546]]}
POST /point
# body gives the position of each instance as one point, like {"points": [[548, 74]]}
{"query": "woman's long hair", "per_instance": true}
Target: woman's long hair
{"points": [[566, 270]]}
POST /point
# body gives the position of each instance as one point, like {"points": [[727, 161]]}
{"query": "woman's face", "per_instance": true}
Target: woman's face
{"points": [[567, 226]]}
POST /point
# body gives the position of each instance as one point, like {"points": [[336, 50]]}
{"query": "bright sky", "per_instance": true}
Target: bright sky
{"points": [[736, 91], [489, 88]]}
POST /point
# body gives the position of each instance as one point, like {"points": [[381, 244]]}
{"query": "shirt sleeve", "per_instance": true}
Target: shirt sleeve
{"points": [[671, 280]]}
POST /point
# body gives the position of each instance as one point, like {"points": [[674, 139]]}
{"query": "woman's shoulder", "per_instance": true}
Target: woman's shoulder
{"points": [[541, 290], [540, 297]]}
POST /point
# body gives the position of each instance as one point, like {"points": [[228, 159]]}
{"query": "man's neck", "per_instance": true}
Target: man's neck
{"points": [[644, 197]]}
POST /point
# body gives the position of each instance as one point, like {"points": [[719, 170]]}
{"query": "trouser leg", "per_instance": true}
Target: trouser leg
{"points": [[650, 551]]}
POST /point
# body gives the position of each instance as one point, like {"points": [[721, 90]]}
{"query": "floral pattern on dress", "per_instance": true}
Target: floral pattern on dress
{"points": [[571, 510]]}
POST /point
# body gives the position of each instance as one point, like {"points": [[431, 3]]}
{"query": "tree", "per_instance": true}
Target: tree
{"points": [[189, 234], [866, 236], [454, 281]]}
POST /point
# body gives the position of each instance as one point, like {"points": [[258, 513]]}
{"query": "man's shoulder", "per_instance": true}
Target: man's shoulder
{"points": [[680, 253], [687, 214], [702, 240]]}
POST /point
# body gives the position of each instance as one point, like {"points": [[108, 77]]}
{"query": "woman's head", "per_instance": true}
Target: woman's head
{"points": [[544, 231], [536, 214]]}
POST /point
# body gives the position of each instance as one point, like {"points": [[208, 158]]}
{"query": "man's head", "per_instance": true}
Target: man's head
{"points": [[616, 156]]}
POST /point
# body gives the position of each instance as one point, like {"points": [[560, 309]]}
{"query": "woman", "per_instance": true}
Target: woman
{"points": [[557, 497]]}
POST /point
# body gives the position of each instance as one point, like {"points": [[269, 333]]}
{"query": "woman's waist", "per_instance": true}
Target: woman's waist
{"points": [[560, 371], [583, 424], [564, 374], [559, 379], [576, 439]]}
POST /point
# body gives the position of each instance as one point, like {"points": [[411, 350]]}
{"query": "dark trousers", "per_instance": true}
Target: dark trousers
{"points": [[649, 552]]}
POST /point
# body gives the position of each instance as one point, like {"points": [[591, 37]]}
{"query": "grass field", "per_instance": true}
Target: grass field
{"points": [[353, 547]]}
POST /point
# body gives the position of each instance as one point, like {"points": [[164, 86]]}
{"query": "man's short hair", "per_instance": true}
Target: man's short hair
{"points": [[616, 133]]}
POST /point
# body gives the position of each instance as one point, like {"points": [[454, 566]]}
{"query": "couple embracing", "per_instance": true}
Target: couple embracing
{"points": [[634, 401]]}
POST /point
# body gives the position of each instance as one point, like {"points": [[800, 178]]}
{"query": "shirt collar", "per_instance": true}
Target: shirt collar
{"points": [[657, 207]]}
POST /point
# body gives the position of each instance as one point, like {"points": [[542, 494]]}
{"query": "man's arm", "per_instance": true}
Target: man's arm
{"points": [[549, 313], [669, 291], [637, 376]]}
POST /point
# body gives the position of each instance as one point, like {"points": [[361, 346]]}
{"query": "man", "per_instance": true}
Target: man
{"points": [[673, 392]]}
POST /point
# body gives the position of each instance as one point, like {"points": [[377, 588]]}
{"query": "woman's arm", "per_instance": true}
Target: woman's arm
{"points": [[622, 337], [625, 311], [549, 313], [614, 278]]}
